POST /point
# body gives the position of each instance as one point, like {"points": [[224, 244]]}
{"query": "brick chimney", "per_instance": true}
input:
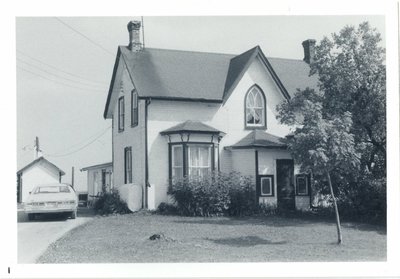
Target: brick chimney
{"points": [[134, 35], [309, 50]]}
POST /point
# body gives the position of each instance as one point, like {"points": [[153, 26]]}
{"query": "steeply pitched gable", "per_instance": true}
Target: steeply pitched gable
{"points": [[199, 76]]}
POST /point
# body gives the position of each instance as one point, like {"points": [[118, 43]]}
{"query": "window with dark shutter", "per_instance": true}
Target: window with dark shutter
{"points": [[121, 114], [128, 165], [134, 106]]}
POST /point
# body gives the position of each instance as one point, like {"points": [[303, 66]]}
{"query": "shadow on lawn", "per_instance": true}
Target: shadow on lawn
{"points": [[246, 241]]}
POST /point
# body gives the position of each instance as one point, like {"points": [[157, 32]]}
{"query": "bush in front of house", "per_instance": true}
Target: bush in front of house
{"points": [[111, 203], [166, 209], [364, 200], [214, 195]]}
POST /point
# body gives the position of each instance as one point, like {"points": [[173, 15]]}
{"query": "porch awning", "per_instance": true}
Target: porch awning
{"points": [[259, 139], [192, 127]]}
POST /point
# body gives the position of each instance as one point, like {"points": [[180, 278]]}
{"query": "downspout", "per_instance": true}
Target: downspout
{"points": [[146, 160]]}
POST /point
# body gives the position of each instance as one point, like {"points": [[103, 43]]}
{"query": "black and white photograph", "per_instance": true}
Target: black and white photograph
{"points": [[223, 139]]}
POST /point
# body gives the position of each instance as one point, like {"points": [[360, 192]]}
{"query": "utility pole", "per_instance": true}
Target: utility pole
{"points": [[72, 178]]}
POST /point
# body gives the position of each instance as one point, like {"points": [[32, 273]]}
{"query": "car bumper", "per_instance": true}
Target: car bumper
{"points": [[50, 210]]}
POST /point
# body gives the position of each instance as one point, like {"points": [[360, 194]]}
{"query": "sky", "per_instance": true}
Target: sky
{"points": [[64, 67]]}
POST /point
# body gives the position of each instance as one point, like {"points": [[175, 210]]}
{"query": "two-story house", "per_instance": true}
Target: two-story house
{"points": [[178, 113]]}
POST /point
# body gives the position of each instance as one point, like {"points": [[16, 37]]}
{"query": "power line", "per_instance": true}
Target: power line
{"points": [[58, 76], [58, 69], [86, 145], [86, 37], [96, 135], [59, 82]]}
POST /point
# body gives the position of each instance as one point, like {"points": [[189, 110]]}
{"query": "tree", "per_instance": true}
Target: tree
{"points": [[321, 143], [352, 76], [341, 125]]}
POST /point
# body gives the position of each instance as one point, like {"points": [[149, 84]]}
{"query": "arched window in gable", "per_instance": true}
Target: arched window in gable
{"points": [[255, 108]]}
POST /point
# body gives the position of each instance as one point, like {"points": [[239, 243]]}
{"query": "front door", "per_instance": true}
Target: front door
{"points": [[285, 184]]}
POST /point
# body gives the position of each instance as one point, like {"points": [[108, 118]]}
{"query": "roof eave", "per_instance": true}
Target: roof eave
{"points": [[165, 133], [110, 90], [96, 166], [253, 146], [183, 99]]}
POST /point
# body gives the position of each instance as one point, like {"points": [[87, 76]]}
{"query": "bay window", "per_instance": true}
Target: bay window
{"points": [[192, 159]]}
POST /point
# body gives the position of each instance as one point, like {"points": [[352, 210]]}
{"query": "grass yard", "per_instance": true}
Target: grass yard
{"points": [[125, 239]]}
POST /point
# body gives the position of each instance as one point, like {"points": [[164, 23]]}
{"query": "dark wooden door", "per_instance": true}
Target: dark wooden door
{"points": [[285, 184]]}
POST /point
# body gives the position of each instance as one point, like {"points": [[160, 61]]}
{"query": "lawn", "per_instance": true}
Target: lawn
{"points": [[125, 239]]}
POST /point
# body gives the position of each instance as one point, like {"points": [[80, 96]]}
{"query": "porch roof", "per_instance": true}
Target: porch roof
{"points": [[103, 165], [259, 139], [190, 126]]}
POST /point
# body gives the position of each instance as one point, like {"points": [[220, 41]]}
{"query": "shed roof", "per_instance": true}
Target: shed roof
{"points": [[202, 76], [261, 139], [190, 126], [40, 159]]}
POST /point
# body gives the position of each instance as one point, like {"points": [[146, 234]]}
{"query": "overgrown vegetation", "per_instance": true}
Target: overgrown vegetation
{"points": [[218, 194], [111, 203], [341, 127]]}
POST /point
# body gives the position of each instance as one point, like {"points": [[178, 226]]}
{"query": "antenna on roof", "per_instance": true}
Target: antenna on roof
{"points": [[143, 31]]}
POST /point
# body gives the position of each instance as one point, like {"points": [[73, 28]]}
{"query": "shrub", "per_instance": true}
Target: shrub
{"points": [[364, 200], [242, 194], [214, 195], [111, 203], [167, 209]]}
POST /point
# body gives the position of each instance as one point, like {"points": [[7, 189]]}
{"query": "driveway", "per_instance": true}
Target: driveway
{"points": [[35, 236]]}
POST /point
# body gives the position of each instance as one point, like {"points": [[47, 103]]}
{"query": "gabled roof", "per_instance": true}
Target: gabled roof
{"points": [[103, 165], [201, 76], [259, 139], [40, 159], [191, 127], [238, 66]]}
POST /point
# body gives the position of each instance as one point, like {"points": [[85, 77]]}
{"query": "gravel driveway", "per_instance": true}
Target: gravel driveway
{"points": [[35, 236]]}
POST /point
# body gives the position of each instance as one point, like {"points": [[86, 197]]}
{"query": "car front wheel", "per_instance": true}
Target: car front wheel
{"points": [[31, 216]]}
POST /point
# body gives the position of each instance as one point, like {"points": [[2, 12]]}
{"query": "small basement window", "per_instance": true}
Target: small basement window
{"points": [[266, 186], [302, 184]]}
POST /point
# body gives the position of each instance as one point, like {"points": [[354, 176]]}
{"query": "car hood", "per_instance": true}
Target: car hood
{"points": [[52, 197]]}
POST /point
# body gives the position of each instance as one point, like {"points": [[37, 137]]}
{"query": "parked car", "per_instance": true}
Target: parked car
{"points": [[52, 198]]}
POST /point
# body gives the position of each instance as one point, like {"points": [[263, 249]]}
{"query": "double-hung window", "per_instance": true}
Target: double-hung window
{"points": [[121, 114], [177, 161], [128, 165], [134, 106], [195, 160], [199, 160]]}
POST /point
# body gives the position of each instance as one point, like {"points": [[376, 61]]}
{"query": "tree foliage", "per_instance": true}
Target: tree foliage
{"points": [[340, 127], [352, 76]]}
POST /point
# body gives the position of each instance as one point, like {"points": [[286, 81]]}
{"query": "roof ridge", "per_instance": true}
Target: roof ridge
{"points": [[282, 58], [189, 51]]}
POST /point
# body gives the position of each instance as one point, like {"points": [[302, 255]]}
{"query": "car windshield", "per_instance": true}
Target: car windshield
{"points": [[52, 189]]}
